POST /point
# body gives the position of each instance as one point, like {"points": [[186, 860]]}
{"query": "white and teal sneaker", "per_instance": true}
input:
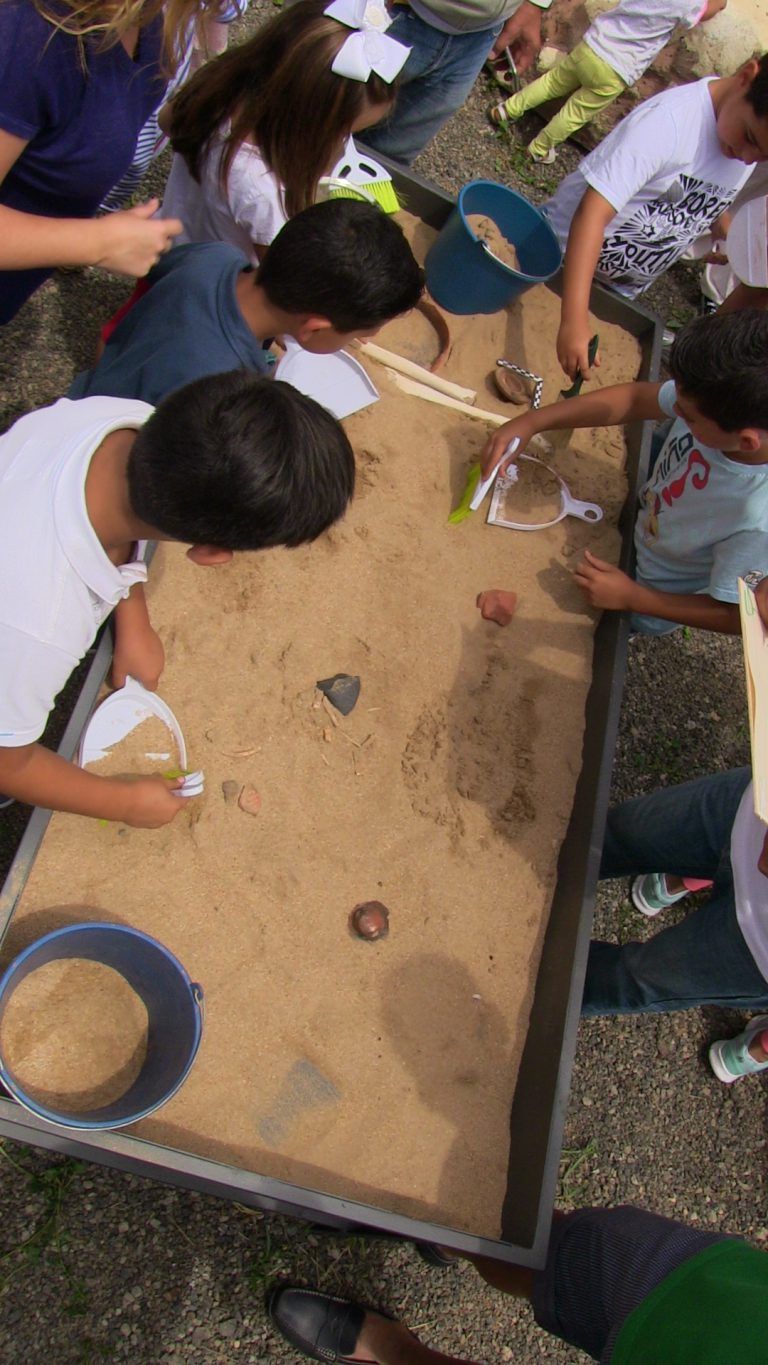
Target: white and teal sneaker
{"points": [[650, 895], [731, 1059]]}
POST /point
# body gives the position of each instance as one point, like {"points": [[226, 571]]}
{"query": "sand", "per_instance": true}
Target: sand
{"points": [[380, 1071], [534, 497], [74, 1035], [486, 230], [148, 748]]}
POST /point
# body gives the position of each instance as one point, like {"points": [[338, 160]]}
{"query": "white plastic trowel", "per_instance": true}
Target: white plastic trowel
{"points": [[485, 485]]}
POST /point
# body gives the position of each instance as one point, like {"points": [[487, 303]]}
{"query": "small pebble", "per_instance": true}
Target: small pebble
{"points": [[230, 790], [370, 920], [249, 800]]}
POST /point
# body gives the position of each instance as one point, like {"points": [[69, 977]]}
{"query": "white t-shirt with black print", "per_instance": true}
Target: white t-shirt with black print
{"points": [[664, 173]]}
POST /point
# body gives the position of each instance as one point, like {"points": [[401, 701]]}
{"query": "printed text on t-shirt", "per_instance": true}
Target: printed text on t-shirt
{"points": [[686, 463], [644, 246]]}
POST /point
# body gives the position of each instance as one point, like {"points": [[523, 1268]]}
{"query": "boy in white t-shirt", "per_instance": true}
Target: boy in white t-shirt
{"points": [[230, 462], [657, 182], [703, 518], [614, 52]]}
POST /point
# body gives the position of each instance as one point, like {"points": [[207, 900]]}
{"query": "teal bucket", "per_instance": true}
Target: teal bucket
{"points": [[462, 275]]}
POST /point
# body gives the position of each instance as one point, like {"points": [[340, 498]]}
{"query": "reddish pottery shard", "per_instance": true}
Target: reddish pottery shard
{"points": [[370, 920], [249, 800]]}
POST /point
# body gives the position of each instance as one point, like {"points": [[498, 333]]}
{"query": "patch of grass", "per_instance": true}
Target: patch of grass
{"points": [[520, 162], [572, 1181], [48, 1236], [664, 758], [93, 1351], [677, 317], [269, 1262]]}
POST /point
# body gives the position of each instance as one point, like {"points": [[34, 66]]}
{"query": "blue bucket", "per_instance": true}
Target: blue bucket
{"points": [[464, 277], [173, 1004]]}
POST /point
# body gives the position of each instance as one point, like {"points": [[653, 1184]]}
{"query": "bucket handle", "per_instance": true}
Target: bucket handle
{"points": [[198, 995], [493, 255]]}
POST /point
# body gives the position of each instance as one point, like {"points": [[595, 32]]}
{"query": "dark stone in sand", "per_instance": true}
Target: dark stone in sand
{"points": [[342, 691]]}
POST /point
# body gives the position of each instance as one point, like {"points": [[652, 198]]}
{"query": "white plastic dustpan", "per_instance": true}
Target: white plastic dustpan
{"points": [[119, 714], [338, 382], [569, 506]]}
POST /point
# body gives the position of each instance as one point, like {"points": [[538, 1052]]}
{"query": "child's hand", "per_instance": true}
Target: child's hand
{"points": [[520, 427], [150, 801], [603, 585], [132, 241], [573, 341], [497, 605], [138, 655]]}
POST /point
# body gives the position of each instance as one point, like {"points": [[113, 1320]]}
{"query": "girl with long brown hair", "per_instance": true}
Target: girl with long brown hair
{"points": [[78, 79], [256, 129]]}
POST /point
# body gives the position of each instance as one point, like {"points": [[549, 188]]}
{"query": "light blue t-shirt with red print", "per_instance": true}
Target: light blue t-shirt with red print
{"points": [[703, 518]]}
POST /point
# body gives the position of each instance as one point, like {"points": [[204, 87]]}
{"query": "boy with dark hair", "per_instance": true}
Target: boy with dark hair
{"points": [[231, 462], [703, 518], [336, 271], [659, 180]]}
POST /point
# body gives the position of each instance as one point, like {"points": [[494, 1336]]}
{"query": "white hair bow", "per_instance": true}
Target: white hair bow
{"points": [[369, 49]]}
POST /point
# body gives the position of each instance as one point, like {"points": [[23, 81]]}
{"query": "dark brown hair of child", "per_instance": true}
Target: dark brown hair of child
{"points": [[279, 92]]}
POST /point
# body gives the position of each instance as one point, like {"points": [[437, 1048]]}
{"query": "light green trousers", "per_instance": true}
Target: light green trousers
{"points": [[594, 85]]}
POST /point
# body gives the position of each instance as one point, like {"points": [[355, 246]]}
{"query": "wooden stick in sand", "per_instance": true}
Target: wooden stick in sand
{"points": [[497, 419], [414, 371], [418, 390]]}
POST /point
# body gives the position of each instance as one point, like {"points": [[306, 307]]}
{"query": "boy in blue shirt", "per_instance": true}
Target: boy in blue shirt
{"points": [[703, 517], [337, 270]]}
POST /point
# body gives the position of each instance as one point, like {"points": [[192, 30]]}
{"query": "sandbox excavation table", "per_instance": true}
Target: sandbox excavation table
{"points": [[537, 1113]]}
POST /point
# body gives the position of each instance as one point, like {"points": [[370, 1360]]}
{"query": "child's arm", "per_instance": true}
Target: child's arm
{"points": [[744, 296], [129, 242], [711, 8], [34, 774], [138, 648], [585, 242], [612, 406], [607, 588]]}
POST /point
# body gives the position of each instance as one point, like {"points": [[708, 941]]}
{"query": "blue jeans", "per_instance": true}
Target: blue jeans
{"points": [[703, 960], [434, 83]]}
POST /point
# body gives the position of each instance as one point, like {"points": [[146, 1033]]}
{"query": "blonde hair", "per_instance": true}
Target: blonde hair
{"points": [[108, 23]]}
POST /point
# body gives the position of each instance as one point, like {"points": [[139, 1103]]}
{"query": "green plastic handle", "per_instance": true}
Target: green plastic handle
{"points": [[462, 509], [575, 389]]}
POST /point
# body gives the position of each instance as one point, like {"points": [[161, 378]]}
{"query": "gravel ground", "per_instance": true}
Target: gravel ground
{"points": [[97, 1266]]}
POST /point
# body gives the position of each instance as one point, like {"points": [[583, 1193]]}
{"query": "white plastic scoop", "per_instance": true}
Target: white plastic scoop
{"points": [[569, 507], [337, 381], [122, 712], [485, 484]]}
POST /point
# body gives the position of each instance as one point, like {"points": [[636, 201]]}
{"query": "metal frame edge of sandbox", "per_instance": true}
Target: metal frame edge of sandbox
{"points": [[539, 1105]]}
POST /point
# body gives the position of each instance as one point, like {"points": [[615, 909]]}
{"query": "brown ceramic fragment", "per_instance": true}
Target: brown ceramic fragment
{"points": [[249, 800], [370, 920], [513, 388]]}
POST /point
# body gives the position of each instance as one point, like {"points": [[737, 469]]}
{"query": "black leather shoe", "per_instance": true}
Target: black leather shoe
{"points": [[318, 1325], [434, 1256]]}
